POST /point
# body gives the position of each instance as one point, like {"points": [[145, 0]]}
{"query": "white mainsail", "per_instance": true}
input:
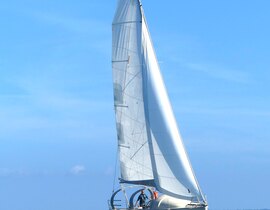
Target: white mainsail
{"points": [[133, 143], [151, 151]]}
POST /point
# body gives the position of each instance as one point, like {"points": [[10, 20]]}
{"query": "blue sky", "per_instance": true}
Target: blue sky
{"points": [[57, 131]]}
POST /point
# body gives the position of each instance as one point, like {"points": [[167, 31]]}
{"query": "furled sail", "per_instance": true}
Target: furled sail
{"points": [[150, 146]]}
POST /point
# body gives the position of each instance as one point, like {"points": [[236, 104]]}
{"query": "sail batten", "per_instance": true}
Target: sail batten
{"points": [[126, 22]]}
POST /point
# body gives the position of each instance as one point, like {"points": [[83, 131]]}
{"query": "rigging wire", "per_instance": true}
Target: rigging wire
{"points": [[115, 169]]}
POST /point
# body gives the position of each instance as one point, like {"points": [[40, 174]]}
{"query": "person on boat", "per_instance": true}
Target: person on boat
{"points": [[142, 200], [155, 195]]}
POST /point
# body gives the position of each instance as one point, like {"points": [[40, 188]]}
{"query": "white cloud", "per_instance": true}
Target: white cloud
{"points": [[78, 169], [109, 171], [222, 73], [17, 172], [73, 24], [224, 111], [5, 172]]}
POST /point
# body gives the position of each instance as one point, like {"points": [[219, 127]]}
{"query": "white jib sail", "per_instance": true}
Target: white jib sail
{"points": [[172, 170], [150, 146]]}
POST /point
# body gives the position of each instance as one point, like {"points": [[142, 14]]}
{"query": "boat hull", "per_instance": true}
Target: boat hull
{"points": [[163, 202], [189, 208]]}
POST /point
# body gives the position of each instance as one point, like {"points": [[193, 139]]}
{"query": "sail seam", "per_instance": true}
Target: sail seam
{"points": [[148, 168], [131, 80], [138, 150]]}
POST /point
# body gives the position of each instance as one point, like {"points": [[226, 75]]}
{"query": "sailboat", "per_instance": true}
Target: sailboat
{"points": [[151, 153]]}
